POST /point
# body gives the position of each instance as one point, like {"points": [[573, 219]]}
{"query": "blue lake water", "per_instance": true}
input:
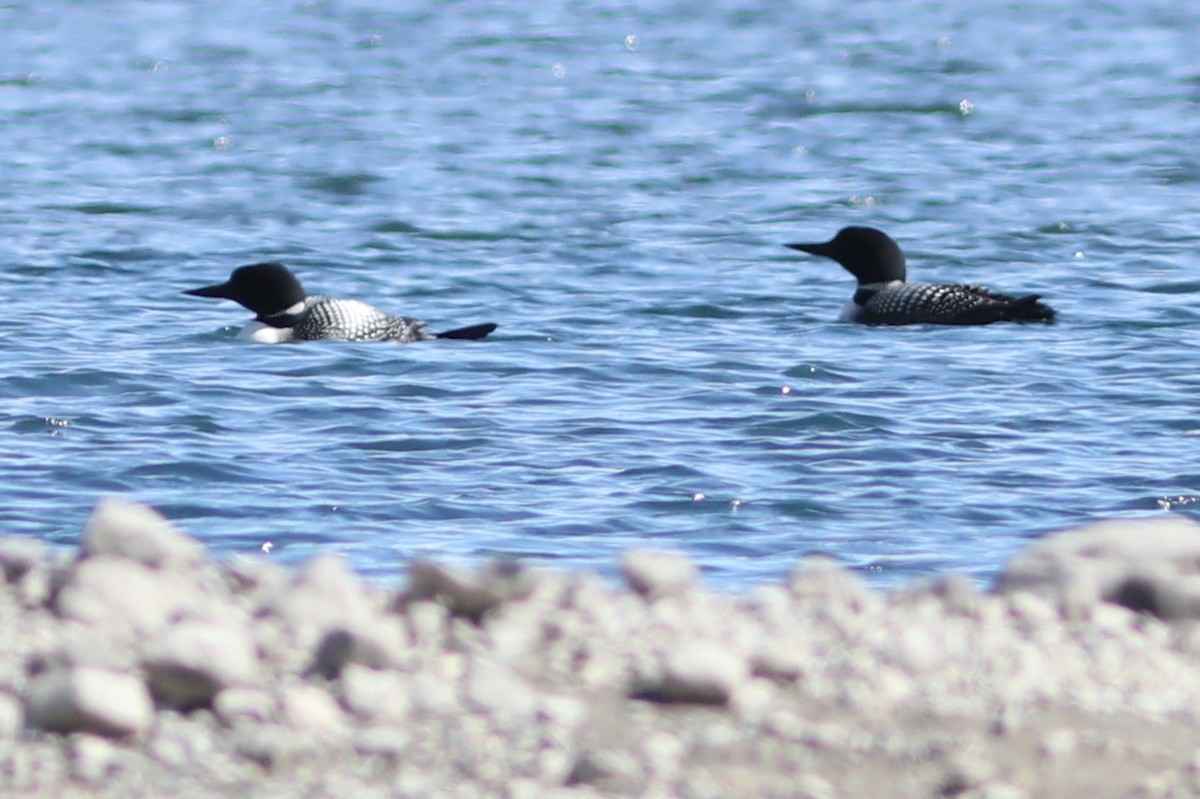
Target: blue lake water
{"points": [[611, 183]]}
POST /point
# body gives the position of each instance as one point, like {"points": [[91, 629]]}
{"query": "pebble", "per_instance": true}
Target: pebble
{"points": [[469, 595], [697, 672], [12, 716], [122, 528], [106, 590], [1146, 565], [234, 705], [654, 573], [85, 699], [190, 662], [379, 696], [510, 682]]}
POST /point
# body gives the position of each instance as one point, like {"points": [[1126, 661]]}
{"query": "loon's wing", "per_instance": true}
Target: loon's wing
{"points": [[950, 304], [351, 320]]}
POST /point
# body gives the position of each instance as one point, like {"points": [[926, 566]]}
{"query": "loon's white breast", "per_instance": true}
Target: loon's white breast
{"points": [[262, 333], [255, 330]]}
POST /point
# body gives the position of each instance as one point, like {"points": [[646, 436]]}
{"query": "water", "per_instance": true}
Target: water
{"points": [[611, 182]]}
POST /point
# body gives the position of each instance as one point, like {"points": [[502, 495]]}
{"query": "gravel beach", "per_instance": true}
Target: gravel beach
{"points": [[143, 667]]}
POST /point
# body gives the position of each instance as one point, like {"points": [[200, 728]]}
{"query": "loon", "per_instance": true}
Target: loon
{"points": [[283, 312], [883, 298]]}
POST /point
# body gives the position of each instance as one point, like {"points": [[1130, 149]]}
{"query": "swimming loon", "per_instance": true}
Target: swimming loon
{"points": [[883, 298], [285, 313]]}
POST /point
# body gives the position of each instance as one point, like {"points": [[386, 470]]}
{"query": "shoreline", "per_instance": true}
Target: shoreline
{"points": [[144, 668]]}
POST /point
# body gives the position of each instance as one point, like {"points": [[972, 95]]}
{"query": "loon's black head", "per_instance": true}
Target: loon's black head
{"points": [[266, 289], [868, 254]]}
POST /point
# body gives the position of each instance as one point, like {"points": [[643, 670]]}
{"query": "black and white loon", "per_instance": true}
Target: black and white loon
{"points": [[283, 312], [883, 298]]}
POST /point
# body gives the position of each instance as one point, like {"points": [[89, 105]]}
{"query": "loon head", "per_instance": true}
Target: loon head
{"points": [[868, 254], [266, 289]]}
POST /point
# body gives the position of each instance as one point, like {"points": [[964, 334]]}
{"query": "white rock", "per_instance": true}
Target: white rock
{"points": [[11, 716], [658, 573], [1146, 565], [85, 699], [310, 709], [188, 663], [108, 591], [93, 758], [499, 692], [234, 705], [122, 528], [375, 695], [323, 595], [700, 672]]}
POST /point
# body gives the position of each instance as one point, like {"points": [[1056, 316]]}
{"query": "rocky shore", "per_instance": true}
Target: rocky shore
{"points": [[143, 667]]}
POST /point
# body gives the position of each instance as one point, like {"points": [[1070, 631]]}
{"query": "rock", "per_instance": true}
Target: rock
{"points": [[378, 646], [90, 644], [323, 595], [114, 592], [18, 556], [311, 710], [499, 692], [380, 696], [85, 699], [235, 705], [381, 741], [655, 573], [269, 745], [122, 528], [1149, 566], [468, 596], [823, 580], [702, 672], [187, 664], [610, 768], [778, 659], [93, 758], [12, 717]]}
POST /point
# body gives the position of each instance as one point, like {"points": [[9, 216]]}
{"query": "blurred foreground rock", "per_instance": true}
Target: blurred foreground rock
{"points": [[143, 668]]}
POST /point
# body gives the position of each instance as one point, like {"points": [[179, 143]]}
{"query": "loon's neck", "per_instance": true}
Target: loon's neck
{"points": [[288, 317]]}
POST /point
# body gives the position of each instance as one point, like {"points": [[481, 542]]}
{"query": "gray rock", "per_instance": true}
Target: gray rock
{"points": [[188, 663], [378, 646], [609, 768], [657, 573], [1150, 566], [126, 529], [85, 699], [109, 591], [18, 556], [700, 672], [469, 596]]}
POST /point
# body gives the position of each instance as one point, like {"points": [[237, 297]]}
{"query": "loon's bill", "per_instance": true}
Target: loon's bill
{"points": [[283, 312], [883, 298]]}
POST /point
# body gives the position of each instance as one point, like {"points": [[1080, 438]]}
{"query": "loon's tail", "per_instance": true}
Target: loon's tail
{"points": [[1028, 309], [470, 333]]}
